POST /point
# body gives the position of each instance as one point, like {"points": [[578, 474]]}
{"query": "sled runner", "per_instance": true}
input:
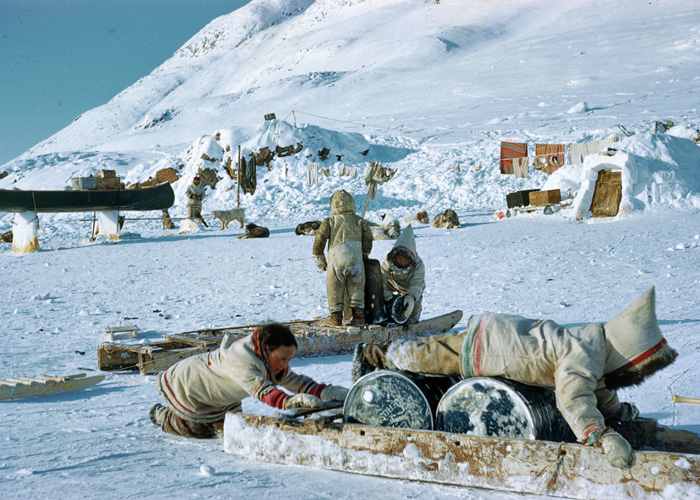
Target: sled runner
{"points": [[45, 385], [665, 458], [315, 338]]}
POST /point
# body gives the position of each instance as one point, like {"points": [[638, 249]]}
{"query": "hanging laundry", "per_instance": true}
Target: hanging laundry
{"points": [[510, 150], [521, 167], [313, 173], [344, 171], [549, 157], [578, 151], [377, 174]]}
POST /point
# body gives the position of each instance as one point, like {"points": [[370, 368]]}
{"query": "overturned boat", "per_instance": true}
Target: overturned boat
{"points": [[159, 197]]}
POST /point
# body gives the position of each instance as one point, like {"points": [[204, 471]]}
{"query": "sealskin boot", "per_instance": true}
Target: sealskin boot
{"points": [[360, 366], [366, 358], [336, 318], [157, 414], [358, 316]]}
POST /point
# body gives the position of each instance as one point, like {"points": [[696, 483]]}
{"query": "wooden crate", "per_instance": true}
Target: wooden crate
{"points": [[519, 198], [545, 197], [108, 183], [607, 194]]}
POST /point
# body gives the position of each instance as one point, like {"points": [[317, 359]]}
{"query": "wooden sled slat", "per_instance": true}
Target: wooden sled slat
{"points": [[314, 338], [521, 466], [27, 387]]}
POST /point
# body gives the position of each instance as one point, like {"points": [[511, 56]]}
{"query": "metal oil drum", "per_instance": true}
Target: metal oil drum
{"points": [[396, 399], [496, 407]]}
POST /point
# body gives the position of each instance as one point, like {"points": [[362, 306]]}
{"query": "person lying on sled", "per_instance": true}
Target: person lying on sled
{"points": [[585, 365], [200, 389]]}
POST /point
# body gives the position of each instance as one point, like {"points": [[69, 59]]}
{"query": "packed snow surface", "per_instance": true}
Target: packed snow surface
{"points": [[426, 88]]}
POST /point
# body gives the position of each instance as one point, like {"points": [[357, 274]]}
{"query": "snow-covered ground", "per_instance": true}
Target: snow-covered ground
{"points": [[435, 85]]}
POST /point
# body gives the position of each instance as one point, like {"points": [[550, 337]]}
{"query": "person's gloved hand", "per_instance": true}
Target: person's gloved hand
{"points": [[408, 304], [321, 262], [302, 401], [627, 413], [616, 448], [334, 393]]}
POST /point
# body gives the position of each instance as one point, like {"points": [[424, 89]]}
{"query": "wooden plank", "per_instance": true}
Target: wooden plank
{"points": [[48, 387], [112, 357], [607, 194], [198, 340], [314, 338], [521, 466], [158, 361]]}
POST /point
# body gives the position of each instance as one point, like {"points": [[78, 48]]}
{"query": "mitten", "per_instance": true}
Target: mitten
{"points": [[333, 393], [408, 303], [627, 412], [321, 262], [302, 401], [616, 448]]}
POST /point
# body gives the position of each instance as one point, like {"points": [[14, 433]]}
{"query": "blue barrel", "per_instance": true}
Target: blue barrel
{"points": [[496, 407], [400, 400]]}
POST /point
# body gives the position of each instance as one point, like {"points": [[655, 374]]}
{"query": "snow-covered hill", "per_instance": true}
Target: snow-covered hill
{"points": [[428, 85]]}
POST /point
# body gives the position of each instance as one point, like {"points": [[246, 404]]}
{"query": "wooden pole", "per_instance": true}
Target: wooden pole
{"points": [[682, 399], [238, 181], [364, 208]]}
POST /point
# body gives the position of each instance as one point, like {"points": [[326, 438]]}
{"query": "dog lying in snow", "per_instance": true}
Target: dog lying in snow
{"points": [[448, 220], [421, 217], [226, 216], [253, 231], [388, 229], [308, 228]]}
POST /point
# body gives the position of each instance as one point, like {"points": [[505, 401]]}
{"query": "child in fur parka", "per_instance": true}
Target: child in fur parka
{"points": [[585, 365], [200, 389], [403, 273], [195, 194], [349, 238]]}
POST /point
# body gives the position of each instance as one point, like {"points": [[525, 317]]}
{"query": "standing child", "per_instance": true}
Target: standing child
{"points": [[195, 195], [349, 238]]}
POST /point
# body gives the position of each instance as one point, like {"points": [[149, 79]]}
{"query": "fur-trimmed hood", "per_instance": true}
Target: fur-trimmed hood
{"points": [[342, 203], [635, 348]]}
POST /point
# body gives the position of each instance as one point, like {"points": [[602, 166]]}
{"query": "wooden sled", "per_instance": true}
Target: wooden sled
{"points": [[314, 337], [45, 385], [665, 457]]}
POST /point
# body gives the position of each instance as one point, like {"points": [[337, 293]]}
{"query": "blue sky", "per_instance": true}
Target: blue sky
{"points": [[60, 58]]}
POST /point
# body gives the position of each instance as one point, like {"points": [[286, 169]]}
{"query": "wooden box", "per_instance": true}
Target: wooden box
{"points": [[81, 183], [519, 198], [108, 183], [545, 197], [107, 174]]}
